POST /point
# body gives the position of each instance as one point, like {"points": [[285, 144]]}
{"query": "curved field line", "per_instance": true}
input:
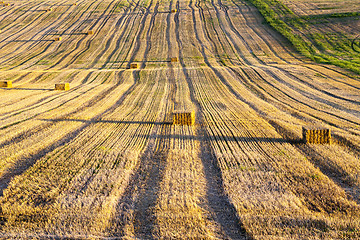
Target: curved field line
{"points": [[78, 50], [29, 27], [33, 55]]}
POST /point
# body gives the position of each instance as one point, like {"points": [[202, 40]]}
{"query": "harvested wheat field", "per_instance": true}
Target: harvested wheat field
{"points": [[141, 146]]}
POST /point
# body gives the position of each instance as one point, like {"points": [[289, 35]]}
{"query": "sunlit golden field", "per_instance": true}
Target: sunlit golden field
{"points": [[103, 159]]}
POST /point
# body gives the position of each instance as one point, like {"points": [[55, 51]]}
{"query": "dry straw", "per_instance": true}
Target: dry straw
{"points": [[62, 86], [316, 135], [134, 66], [183, 118], [6, 84]]}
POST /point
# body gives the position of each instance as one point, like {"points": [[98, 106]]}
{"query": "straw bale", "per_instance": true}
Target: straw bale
{"points": [[316, 135], [183, 118], [62, 86], [6, 84], [134, 65]]}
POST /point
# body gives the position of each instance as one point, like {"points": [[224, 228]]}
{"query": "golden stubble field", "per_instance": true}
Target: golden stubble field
{"points": [[101, 161]]}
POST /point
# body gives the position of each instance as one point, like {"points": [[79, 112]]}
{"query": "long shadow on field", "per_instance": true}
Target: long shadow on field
{"points": [[225, 212], [63, 5], [164, 12], [178, 136], [107, 121], [39, 10], [134, 13], [28, 162], [30, 40], [136, 207], [30, 89], [147, 61], [237, 139], [325, 164], [156, 61], [69, 34]]}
